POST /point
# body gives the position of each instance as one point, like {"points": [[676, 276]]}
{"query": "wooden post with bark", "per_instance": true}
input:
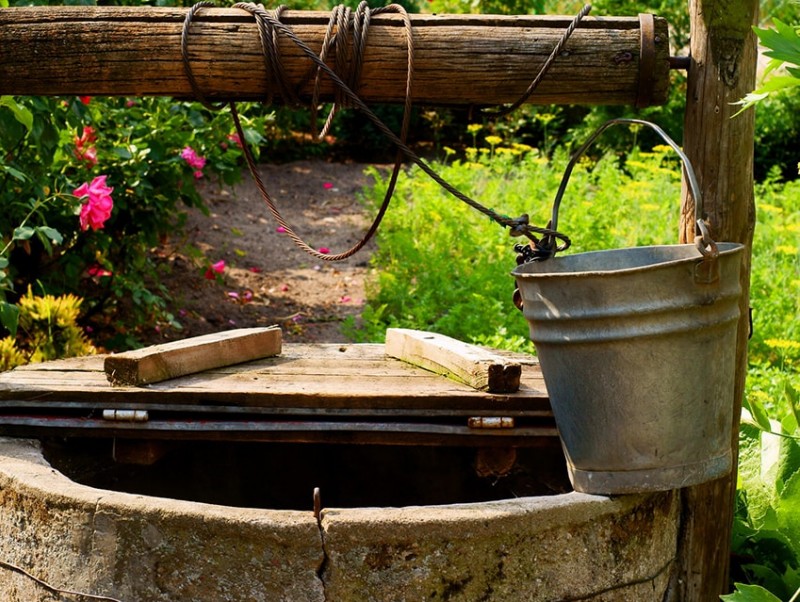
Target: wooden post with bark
{"points": [[720, 147]]}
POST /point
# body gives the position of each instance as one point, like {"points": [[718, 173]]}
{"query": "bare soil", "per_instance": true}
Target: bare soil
{"points": [[267, 279]]}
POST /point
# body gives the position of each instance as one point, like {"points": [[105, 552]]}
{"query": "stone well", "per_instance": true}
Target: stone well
{"points": [[141, 548]]}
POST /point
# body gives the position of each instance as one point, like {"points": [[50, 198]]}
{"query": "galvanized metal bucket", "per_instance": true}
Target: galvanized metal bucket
{"points": [[637, 349]]}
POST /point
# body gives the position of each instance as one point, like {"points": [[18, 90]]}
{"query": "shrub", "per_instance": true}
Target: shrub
{"points": [[48, 330], [151, 151]]}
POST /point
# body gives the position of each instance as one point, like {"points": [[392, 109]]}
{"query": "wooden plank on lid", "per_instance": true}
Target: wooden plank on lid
{"points": [[475, 366], [179, 358]]}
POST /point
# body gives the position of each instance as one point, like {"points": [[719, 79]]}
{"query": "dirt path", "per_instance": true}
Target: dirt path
{"points": [[267, 279]]}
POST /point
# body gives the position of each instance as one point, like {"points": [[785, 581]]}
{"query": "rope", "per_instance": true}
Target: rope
{"points": [[270, 26], [52, 589]]}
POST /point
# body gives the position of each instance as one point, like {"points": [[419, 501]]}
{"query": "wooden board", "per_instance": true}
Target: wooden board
{"points": [[475, 366], [309, 379], [170, 360], [459, 59]]}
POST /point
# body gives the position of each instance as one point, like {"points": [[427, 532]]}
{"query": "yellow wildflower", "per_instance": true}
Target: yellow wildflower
{"points": [[783, 344]]}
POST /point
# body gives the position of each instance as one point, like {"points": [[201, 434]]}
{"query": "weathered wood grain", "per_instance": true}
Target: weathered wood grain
{"points": [[323, 378], [196, 354], [459, 59], [470, 364]]}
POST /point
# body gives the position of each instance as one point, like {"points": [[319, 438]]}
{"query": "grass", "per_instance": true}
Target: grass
{"points": [[444, 266]]}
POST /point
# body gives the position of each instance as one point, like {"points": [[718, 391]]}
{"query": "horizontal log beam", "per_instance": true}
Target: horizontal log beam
{"points": [[459, 59]]}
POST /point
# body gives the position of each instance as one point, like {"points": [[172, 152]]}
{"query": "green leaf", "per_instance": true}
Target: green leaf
{"points": [[774, 84], [788, 509], [9, 317], [21, 113], [794, 403], [52, 234], [23, 232], [767, 577], [783, 42], [14, 173], [750, 593], [758, 413], [788, 460]]}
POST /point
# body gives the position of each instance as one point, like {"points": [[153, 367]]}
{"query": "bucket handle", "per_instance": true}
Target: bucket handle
{"points": [[703, 240]]}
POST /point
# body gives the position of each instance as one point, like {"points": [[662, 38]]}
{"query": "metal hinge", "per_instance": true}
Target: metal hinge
{"points": [[490, 422], [126, 415]]}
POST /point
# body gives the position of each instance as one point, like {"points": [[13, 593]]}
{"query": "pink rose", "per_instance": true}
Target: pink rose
{"points": [[96, 209], [84, 151], [194, 160], [235, 139], [214, 269]]}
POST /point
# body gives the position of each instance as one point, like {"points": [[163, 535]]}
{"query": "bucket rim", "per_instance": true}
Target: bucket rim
{"points": [[725, 248]]}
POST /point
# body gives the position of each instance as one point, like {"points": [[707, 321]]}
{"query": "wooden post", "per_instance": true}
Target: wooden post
{"points": [[459, 59], [720, 147]]}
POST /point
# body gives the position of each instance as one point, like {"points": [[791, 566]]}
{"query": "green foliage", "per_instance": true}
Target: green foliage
{"points": [[766, 537], [462, 250], [783, 49], [490, 7], [750, 593], [766, 529], [777, 122], [48, 330], [774, 351]]}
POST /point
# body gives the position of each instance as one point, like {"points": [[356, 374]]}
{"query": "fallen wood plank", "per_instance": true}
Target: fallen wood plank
{"points": [[470, 364], [196, 354]]}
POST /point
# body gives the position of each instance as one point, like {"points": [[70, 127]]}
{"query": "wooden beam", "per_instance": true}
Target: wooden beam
{"points": [[475, 366], [459, 59], [720, 147], [196, 354]]}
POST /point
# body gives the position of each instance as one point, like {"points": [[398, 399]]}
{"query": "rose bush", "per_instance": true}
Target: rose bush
{"points": [[60, 162]]}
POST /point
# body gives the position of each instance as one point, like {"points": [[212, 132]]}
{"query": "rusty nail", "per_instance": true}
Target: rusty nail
{"points": [[317, 503]]}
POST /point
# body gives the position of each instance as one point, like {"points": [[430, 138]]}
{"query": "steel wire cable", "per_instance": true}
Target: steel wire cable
{"points": [[341, 18]]}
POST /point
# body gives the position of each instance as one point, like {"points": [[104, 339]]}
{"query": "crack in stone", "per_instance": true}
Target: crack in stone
{"points": [[323, 565]]}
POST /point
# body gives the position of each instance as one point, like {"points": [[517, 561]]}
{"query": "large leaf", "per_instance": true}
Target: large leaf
{"points": [[750, 593], [753, 466], [23, 232], [794, 403], [9, 317], [21, 113], [788, 510], [783, 42], [773, 84]]}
